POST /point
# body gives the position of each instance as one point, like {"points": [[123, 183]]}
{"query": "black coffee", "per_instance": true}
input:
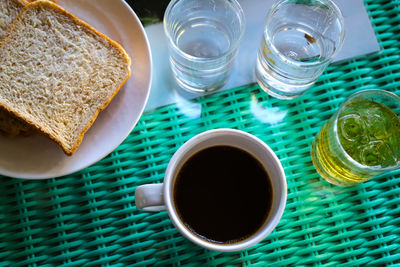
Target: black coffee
{"points": [[223, 194]]}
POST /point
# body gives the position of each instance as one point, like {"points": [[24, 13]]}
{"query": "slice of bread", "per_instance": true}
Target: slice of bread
{"points": [[57, 72], [9, 10], [10, 125]]}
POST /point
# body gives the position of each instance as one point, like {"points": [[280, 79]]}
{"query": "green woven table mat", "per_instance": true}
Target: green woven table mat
{"points": [[90, 219]]}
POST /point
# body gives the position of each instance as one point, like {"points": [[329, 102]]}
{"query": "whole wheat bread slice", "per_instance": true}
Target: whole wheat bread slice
{"points": [[9, 10], [10, 125], [57, 72]]}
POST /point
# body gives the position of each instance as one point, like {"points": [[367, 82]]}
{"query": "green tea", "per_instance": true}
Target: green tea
{"points": [[328, 164], [369, 132]]}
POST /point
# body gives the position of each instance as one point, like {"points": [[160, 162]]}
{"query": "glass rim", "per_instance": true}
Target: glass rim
{"points": [[336, 136], [239, 11], [340, 17]]}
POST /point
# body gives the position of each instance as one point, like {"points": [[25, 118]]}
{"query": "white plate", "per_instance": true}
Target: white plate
{"points": [[37, 157]]}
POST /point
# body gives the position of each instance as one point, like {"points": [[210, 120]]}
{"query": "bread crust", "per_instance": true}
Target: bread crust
{"points": [[30, 1], [114, 44]]}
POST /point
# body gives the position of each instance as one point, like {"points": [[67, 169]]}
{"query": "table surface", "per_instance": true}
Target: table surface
{"points": [[90, 218]]}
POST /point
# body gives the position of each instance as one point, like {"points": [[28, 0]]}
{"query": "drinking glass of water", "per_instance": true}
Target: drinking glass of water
{"points": [[203, 38], [301, 37]]}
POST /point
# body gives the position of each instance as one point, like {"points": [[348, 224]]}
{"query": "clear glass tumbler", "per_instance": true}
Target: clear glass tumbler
{"points": [[301, 37], [203, 38], [361, 140]]}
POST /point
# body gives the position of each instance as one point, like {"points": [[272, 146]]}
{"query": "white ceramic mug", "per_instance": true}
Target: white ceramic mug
{"points": [[156, 197]]}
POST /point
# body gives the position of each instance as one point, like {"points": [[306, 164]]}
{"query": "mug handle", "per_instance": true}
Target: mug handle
{"points": [[150, 197]]}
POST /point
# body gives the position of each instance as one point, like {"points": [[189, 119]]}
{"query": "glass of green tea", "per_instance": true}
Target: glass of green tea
{"points": [[361, 140]]}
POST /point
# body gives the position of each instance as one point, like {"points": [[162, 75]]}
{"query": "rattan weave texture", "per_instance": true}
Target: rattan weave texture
{"points": [[90, 219]]}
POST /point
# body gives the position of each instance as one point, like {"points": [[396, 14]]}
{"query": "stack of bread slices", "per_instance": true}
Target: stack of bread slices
{"points": [[56, 72]]}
